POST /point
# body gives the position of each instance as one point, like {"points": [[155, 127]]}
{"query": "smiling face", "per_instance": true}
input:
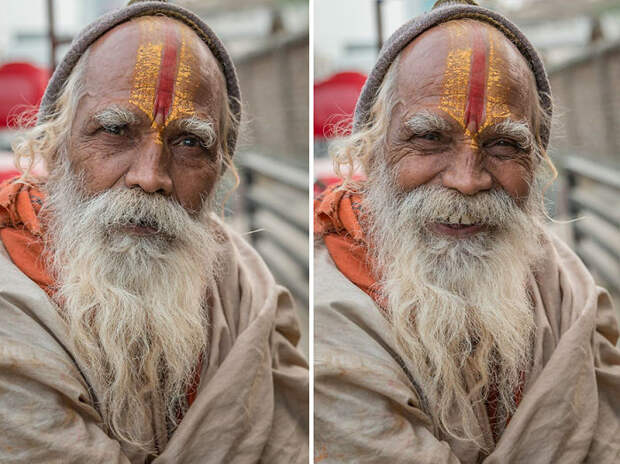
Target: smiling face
{"points": [[453, 227], [464, 112], [151, 114]]}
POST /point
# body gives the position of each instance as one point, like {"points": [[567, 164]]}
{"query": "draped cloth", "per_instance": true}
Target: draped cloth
{"points": [[21, 232], [250, 401], [368, 404], [339, 221]]}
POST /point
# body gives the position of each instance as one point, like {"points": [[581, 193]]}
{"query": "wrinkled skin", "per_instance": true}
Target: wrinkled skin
{"points": [[152, 154], [467, 156]]}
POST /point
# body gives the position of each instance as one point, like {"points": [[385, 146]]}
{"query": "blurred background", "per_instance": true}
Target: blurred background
{"points": [[579, 41], [268, 41]]}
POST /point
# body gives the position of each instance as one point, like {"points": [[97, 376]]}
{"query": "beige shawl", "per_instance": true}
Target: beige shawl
{"points": [[367, 409], [252, 401]]}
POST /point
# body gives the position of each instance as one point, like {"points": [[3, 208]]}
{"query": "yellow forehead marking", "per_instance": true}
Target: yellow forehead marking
{"points": [[456, 82], [496, 106], [145, 78], [456, 77], [185, 87], [147, 75], [453, 98]]}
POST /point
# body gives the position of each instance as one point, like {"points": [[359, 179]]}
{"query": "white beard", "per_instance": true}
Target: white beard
{"points": [[134, 305], [458, 307]]}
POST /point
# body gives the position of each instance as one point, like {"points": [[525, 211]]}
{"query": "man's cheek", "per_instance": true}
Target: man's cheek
{"points": [[413, 170], [513, 177]]}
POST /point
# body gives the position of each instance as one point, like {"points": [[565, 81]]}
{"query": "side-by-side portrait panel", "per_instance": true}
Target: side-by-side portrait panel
{"points": [[462, 238], [144, 314]]}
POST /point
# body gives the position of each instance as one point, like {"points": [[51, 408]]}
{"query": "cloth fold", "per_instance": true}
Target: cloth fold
{"points": [[251, 405], [22, 233], [367, 410], [338, 220]]}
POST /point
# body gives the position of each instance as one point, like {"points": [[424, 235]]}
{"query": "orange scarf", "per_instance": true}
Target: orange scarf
{"points": [[21, 233], [337, 220], [21, 230]]}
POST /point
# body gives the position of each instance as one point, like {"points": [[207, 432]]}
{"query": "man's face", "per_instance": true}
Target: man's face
{"points": [[151, 113], [454, 225], [462, 122], [130, 240]]}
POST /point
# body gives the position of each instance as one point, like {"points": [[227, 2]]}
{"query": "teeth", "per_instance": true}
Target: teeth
{"points": [[465, 220]]}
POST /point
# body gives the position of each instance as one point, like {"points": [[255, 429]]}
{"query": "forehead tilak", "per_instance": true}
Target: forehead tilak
{"points": [[472, 90], [163, 87]]}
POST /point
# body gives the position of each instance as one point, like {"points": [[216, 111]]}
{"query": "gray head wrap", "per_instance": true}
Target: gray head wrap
{"points": [[442, 12], [93, 31]]}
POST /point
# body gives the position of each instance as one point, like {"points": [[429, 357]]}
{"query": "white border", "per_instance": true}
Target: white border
{"points": [[311, 229]]}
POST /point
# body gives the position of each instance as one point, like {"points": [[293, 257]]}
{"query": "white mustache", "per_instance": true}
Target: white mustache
{"points": [[428, 204], [121, 207]]}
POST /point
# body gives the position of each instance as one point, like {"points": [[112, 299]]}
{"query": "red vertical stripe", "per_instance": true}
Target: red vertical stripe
{"points": [[492, 400], [192, 390], [474, 110], [167, 73]]}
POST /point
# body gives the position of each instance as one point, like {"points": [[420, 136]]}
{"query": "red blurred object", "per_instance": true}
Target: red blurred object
{"points": [[21, 88], [334, 105], [8, 174], [321, 184], [334, 102]]}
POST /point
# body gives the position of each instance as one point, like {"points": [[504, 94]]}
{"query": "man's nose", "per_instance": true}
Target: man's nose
{"points": [[466, 172], [150, 168]]}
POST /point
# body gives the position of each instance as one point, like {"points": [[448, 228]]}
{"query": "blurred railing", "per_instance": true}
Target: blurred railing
{"points": [[274, 80], [586, 88], [275, 197], [592, 198]]}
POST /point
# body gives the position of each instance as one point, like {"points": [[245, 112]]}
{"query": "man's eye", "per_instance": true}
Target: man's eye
{"points": [[115, 129], [504, 148], [190, 141], [432, 136], [505, 143]]}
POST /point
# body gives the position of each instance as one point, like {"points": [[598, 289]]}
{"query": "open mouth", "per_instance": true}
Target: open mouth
{"points": [[457, 230], [459, 227], [140, 227]]}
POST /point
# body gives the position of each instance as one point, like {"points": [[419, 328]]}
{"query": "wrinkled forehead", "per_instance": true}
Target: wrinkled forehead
{"points": [[470, 69], [159, 64]]}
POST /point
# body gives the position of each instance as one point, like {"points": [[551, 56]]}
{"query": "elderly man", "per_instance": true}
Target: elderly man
{"points": [[135, 326], [450, 326]]}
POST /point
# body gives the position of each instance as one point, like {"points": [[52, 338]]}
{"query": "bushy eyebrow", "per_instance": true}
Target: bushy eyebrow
{"points": [[201, 128], [115, 116], [424, 122], [517, 130], [119, 116]]}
